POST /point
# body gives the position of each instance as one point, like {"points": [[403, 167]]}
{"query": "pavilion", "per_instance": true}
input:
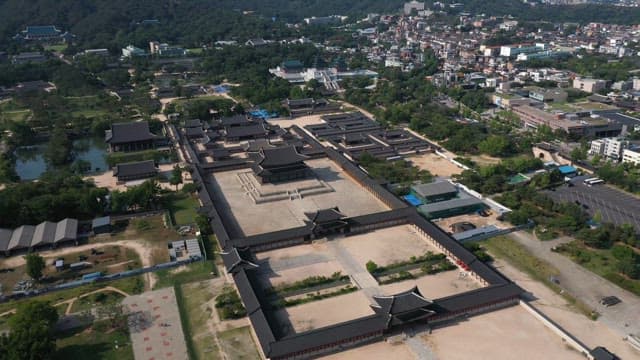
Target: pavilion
{"points": [[279, 164]]}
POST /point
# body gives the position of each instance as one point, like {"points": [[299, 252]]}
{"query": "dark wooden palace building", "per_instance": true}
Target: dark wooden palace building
{"points": [[132, 136], [328, 221], [279, 164]]}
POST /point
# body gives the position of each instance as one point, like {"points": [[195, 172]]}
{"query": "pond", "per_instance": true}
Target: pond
{"points": [[30, 163]]}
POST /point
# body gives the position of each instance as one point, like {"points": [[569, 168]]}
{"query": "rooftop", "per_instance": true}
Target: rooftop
{"points": [[278, 156], [435, 188], [129, 132], [135, 168]]}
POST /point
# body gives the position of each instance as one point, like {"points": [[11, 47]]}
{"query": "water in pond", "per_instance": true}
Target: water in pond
{"points": [[30, 163]]}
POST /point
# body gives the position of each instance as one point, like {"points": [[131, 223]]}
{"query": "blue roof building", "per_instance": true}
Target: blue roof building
{"points": [[48, 32], [568, 170]]}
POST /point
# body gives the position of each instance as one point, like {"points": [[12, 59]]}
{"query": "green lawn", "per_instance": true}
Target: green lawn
{"points": [[238, 344], [195, 313], [14, 115], [183, 208], [518, 256], [195, 51], [10, 111], [197, 271], [89, 302], [89, 113], [91, 343], [56, 48]]}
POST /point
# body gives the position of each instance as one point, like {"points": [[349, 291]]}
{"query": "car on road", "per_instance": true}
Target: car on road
{"points": [[610, 301]]}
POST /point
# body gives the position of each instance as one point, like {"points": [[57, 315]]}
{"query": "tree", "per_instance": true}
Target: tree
{"points": [[31, 333], [58, 150], [495, 145], [176, 176], [372, 267], [578, 154], [203, 224], [35, 265]]}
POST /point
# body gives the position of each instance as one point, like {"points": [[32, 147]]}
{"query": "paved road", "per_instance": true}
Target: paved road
{"points": [[358, 273], [420, 348], [623, 318]]}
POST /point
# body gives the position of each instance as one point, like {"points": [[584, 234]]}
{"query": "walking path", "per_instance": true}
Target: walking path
{"points": [[363, 279]]}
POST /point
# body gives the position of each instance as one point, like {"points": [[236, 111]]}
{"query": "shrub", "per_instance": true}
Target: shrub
{"points": [[372, 267]]}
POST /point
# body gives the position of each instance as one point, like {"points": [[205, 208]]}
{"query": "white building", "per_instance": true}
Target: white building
{"points": [[610, 148], [589, 85], [631, 156], [325, 20], [636, 84], [413, 5], [132, 51]]}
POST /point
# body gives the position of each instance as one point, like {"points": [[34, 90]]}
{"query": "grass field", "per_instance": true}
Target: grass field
{"points": [[238, 344], [10, 111], [515, 254], [89, 113], [601, 262], [93, 343], [195, 51], [56, 48], [197, 271], [183, 208], [195, 313], [132, 285], [96, 300]]}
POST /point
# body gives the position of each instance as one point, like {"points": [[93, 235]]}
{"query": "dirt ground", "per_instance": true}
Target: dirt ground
{"points": [[376, 351], [591, 333], [385, 246], [300, 121], [143, 250], [107, 180], [435, 164], [477, 220], [435, 286], [510, 333], [317, 314], [296, 263], [351, 198], [485, 159]]}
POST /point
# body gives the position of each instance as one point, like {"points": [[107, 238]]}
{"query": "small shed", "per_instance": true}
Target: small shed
{"points": [[101, 225], [59, 264]]}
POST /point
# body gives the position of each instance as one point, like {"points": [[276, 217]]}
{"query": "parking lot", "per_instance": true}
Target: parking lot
{"points": [[614, 206]]}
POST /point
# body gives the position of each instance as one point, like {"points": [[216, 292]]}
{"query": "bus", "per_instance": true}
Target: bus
{"points": [[595, 182], [589, 180]]}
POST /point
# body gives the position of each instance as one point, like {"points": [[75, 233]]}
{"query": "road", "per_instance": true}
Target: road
{"points": [[623, 318]]}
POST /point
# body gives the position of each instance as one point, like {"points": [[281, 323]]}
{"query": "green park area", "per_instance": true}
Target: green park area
{"points": [[56, 47], [10, 111], [96, 341], [183, 208]]}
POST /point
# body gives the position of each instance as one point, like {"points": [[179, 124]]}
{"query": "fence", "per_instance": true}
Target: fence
{"points": [[105, 278]]}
